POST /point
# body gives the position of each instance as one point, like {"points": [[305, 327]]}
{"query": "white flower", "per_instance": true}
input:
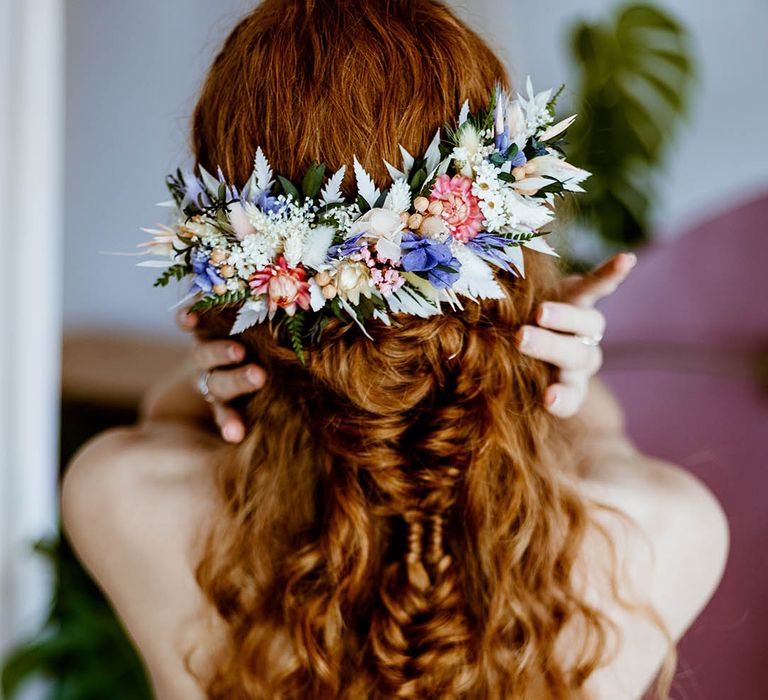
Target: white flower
{"points": [[258, 251], [533, 107], [352, 280], [552, 166], [383, 226]]}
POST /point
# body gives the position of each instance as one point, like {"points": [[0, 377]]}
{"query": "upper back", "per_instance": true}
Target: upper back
{"points": [[138, 503]]}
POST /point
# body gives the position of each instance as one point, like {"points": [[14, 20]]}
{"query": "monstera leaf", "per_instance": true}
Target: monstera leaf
{"points": [[635, 76]]}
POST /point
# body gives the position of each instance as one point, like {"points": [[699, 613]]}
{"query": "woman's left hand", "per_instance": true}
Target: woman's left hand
{"points": [[568, 333]]}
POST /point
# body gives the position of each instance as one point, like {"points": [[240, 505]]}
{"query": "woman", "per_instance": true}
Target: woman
{"points": [[403, 517]]}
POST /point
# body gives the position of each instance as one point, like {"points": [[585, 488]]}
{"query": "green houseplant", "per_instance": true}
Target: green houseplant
{"points": [[635, 73]]}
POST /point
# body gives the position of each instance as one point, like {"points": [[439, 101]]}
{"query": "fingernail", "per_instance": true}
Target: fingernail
{"points": [[553, 398], [523, 337], [230, 433], [235, 352], [255, 377], [544, 313], [632, 260]]}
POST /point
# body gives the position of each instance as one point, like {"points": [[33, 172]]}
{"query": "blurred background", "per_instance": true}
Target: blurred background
{"points": [[95, 98]]}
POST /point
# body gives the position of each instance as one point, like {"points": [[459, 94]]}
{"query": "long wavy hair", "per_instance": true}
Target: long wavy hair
{"points": [[398, 521]]}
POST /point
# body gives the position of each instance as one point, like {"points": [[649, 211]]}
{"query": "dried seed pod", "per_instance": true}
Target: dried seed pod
{"points": [[414, 221], [323, 278], [218, 255], [435, 208]]}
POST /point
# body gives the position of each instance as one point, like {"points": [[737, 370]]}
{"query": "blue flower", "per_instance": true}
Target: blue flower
{"points": [[519, 159], [269, 204], [206, 275], [502, 141], [432, 257]]}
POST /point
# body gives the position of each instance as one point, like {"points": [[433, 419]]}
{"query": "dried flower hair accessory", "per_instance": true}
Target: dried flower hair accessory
{"points": [[302, 253]]}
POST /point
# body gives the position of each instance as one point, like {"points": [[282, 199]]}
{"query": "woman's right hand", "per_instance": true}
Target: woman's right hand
{"points": [[225, 382]]}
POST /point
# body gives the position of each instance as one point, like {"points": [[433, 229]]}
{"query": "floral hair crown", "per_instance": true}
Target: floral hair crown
{"points": [[302, 253]]}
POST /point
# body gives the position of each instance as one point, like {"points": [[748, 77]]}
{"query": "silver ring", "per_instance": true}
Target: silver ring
{"points": [[202, 386], [591, 340]]}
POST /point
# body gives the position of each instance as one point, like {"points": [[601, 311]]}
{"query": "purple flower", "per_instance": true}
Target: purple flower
{"points": [[194, 191], [432, 257], [490, 247], [348, 247], [206, 275]]}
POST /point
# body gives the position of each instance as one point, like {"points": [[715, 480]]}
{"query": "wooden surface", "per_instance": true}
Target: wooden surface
{"points": [[115, 368]]}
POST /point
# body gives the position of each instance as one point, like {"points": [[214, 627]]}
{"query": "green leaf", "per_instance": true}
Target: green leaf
{"points": [[417, 180], [214, 300], [289, 189], [177, 272], [295, 326], [313, 180], [362, 204]]}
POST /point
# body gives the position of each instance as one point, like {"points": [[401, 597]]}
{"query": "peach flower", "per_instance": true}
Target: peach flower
{"points": [[284, 286]]}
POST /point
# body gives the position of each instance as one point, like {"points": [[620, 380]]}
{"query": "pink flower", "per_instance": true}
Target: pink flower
{"points": [[284, 286], [461, 210]]}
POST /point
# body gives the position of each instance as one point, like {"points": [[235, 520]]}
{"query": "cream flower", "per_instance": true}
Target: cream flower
{"points": [[352, 279], [383, 226]]}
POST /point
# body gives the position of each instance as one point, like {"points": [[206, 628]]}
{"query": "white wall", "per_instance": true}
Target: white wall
{"points": [[720, 155], [31, 149], [133, 69]]}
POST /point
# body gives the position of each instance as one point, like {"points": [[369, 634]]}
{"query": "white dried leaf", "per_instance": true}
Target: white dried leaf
{"points": [[262, 170], [331, 193], [432, 156], [365, 185], [399, 197], [254, 311], [464, 114], [476, 279]]}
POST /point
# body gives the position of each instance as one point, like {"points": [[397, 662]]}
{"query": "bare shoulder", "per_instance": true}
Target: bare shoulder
{"points": [[134, 504], [670, 539]]}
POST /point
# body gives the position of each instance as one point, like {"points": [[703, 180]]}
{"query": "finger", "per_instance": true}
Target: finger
{"points": [[217, 353], [186, 319], [600, 282], [565, 351], [568, 318], [229, 422], [227, 384], [565, 400]]}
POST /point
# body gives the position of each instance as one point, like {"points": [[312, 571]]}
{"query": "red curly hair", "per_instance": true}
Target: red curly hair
{"points": [[397, 522]]}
